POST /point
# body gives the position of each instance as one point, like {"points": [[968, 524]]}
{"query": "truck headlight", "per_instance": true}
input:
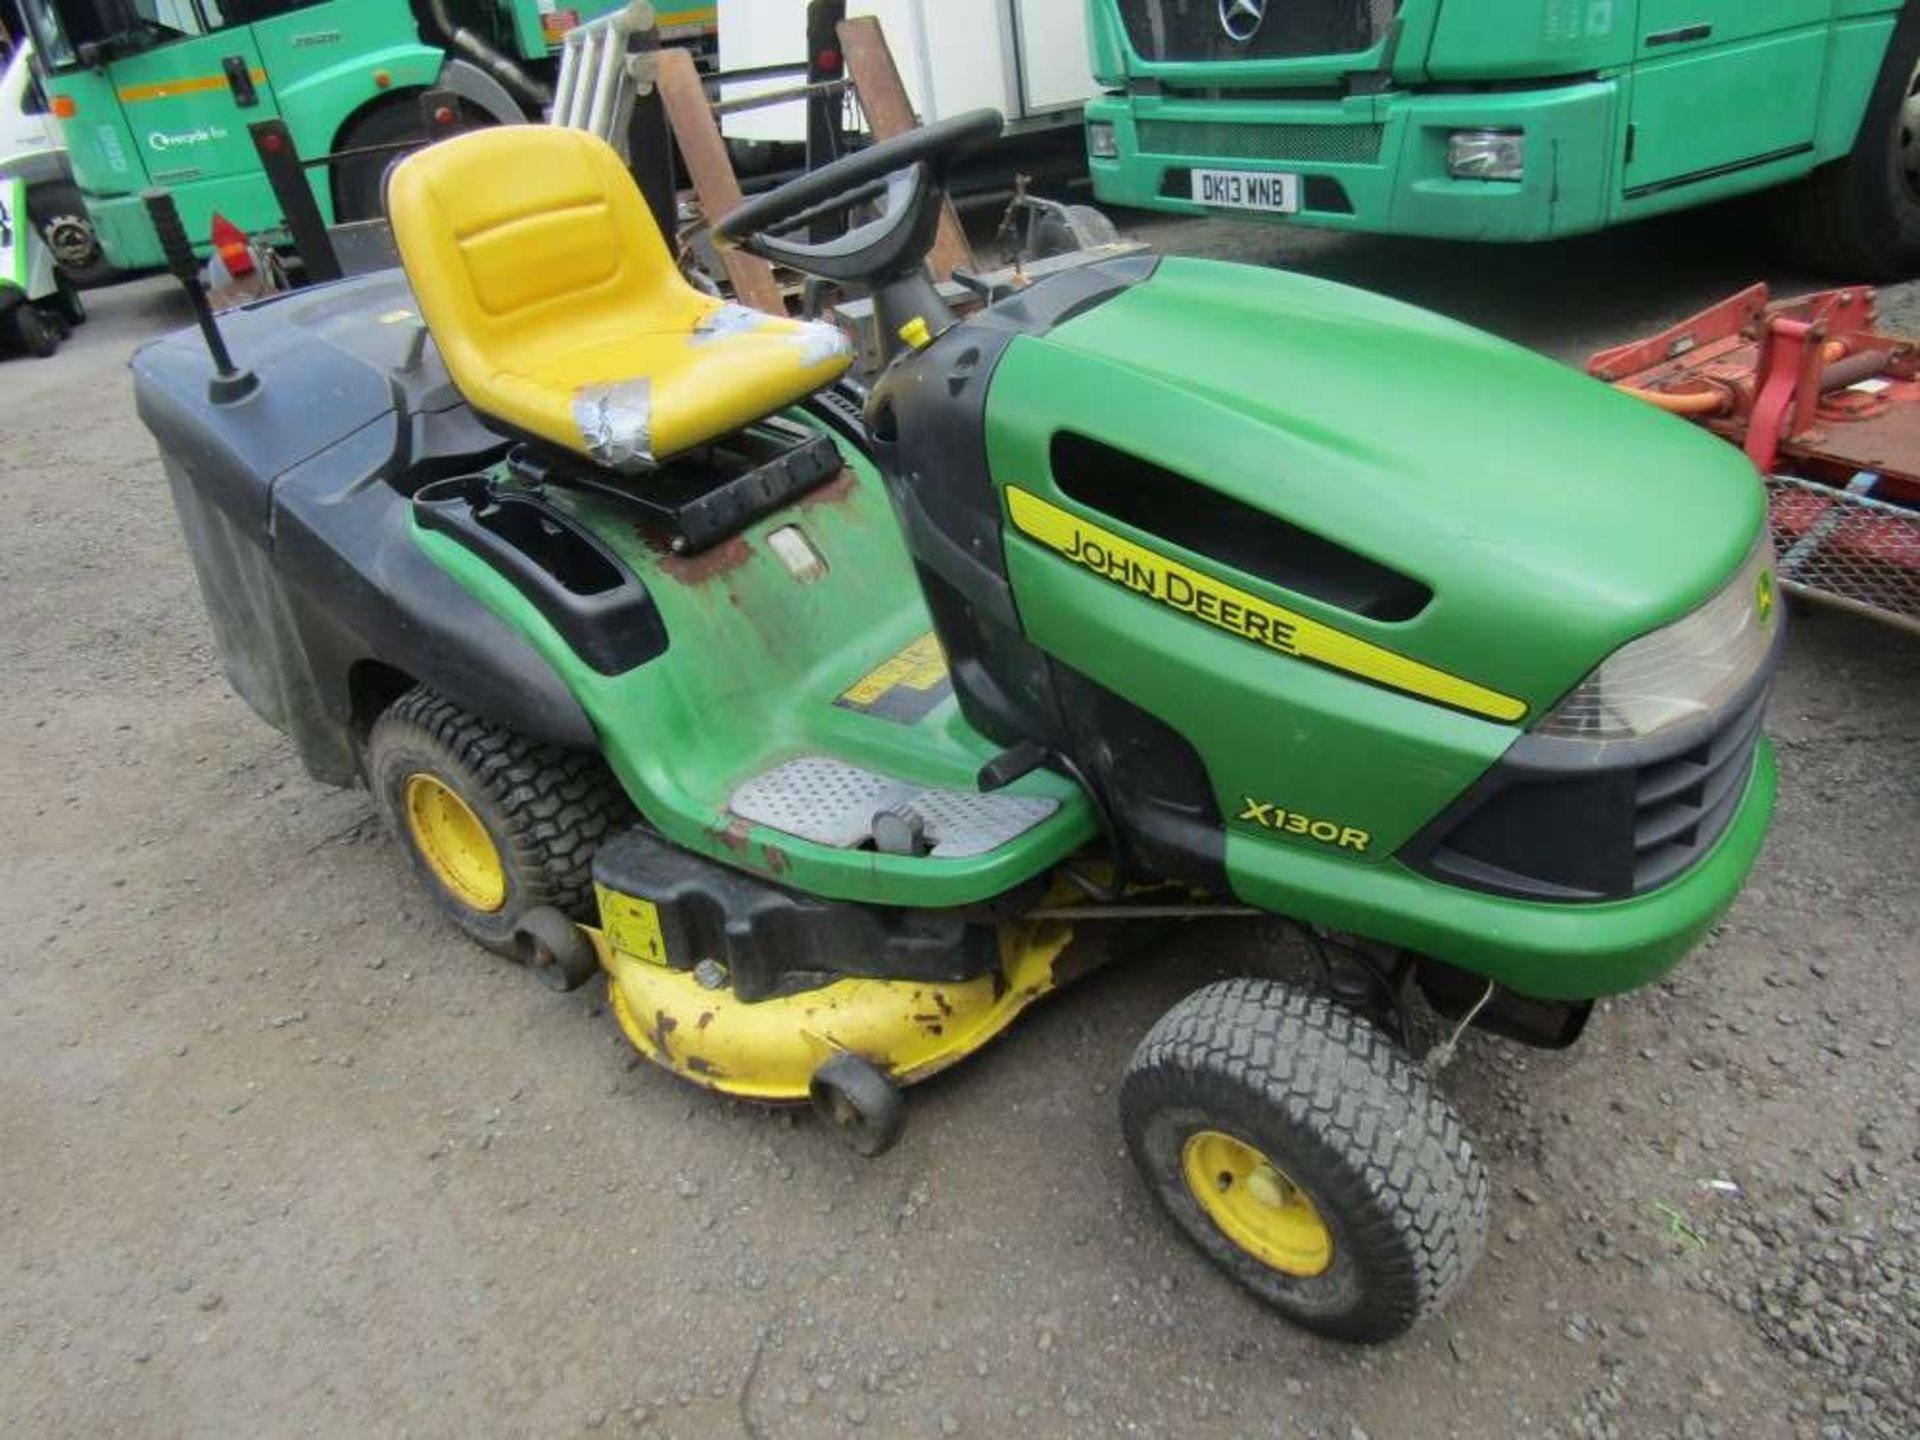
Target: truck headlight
{"points": [[1102, 143], [1486, 154], [1691, 667]]}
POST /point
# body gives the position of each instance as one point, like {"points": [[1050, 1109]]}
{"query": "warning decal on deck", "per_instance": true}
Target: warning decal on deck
{"points": [[632, 925], [904, 686]]}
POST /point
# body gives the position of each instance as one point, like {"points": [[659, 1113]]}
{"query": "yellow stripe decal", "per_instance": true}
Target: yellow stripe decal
{"points": [[1238, 612], [189, 85]]}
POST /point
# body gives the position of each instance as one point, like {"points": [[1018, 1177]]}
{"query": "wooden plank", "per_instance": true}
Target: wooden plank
{"points": [[712, 173], [876, 80]]}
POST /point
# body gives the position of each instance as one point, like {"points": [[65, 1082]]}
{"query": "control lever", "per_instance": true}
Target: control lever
{"points": [[230, 382]]}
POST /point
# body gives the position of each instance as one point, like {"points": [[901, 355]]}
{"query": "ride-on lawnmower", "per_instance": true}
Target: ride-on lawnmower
{"points": [[828, 724]]}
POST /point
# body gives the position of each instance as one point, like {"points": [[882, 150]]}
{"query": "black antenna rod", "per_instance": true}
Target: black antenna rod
{"points": [[230, 382]]}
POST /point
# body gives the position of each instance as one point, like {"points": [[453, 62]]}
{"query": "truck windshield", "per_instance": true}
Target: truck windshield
{"points": [[50, 43], [62, 29]]}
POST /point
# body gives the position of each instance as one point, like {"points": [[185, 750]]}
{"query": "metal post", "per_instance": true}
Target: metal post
{"points": [[824, 62], [649, 141], [298, 208]]}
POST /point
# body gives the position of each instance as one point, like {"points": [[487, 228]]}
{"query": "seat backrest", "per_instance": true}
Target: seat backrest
{"points": [[518, 238]]}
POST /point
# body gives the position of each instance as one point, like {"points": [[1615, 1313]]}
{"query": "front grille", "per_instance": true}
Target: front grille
{"points": [[1231, 140], [1682, 805], [1207, 30], [1547, 824]]}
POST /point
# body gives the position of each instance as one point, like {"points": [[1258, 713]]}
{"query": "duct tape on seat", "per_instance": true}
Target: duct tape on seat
{"points": [[616, 421]]}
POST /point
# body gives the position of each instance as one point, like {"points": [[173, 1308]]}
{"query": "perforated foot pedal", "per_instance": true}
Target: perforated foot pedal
{"points": [[833, 803]]}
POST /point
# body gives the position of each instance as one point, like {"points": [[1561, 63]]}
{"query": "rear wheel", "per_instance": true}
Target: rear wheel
{"points": [[499, 827], [30, 331], [1859, 217], [1306, 1156], [66, 299]]}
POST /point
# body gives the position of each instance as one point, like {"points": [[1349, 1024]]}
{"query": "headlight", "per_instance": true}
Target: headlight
{"points": [[1486, 154], [1691, 667], [1102, 143]]}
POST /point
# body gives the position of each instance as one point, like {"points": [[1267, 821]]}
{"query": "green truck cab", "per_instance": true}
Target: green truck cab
{"points": [[1513, 119], [161, 92]]}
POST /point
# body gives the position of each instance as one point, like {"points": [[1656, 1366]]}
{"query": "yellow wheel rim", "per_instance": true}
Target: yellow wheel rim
{"points": [[455, 845], [1255, 1205]]}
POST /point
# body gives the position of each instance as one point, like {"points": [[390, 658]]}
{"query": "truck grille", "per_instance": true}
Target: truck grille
{"points": [[1204, 30], [1231, 140], [1543, 826]]}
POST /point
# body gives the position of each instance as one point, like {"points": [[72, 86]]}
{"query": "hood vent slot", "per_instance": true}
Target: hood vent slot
{"points": [[1231, 533]]}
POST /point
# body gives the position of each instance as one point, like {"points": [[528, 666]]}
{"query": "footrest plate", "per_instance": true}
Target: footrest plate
{"points": [[833, 803]]}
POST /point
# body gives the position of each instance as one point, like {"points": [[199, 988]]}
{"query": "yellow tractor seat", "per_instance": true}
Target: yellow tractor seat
{"points": [[560, 314]]}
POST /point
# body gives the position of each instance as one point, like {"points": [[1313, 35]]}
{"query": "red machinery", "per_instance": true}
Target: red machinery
{"points": [[1828, 407]]}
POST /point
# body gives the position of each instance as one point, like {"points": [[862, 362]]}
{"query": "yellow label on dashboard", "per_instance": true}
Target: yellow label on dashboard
{"points": [[905, 686], [1239, 612]]}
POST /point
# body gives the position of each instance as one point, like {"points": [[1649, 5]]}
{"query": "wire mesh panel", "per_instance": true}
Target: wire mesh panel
{"points": [[1847, 547]]}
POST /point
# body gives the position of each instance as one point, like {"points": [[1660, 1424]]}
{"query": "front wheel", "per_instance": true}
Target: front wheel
{"points": [[59, 213], [359, 184], [1306, 1156], [1859, 217]]}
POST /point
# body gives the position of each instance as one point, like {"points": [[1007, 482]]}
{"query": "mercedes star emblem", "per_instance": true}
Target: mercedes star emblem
{"points": [[1241, 18]]}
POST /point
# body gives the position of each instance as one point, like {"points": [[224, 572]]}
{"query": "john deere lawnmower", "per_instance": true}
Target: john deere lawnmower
{"points": [[832, 725]]}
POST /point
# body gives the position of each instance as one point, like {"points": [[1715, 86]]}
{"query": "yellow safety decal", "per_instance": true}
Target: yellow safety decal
{"points": [[1238, 612], [187, 85], [632, 925], [904, 686]]}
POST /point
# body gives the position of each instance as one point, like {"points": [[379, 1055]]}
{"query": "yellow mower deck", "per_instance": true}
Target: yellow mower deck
{"points": [[770, 1049]]}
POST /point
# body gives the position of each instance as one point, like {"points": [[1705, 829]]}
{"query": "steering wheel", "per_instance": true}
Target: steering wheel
{"points": [[908, 174]]}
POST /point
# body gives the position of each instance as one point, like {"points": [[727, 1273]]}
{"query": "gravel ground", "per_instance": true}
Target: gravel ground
{"points": [[284, 1156]]}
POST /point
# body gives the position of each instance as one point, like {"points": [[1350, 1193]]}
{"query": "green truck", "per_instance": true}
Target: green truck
{"points": [[1515, 119], [160, 92]]}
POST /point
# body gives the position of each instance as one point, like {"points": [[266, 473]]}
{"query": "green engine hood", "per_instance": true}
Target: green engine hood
{"points": [[1553, 519]]}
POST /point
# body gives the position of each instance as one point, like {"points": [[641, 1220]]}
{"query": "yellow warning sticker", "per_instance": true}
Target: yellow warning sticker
{"points": [[1239, 612], [632, 925], [904, 686]]}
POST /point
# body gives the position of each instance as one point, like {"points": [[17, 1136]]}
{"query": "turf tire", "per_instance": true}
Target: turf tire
{"points": [[1349, 1118], [546, 809]]}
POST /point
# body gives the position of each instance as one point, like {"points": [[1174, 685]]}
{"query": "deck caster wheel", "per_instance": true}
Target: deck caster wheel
{"points": [[860, 1102], [1307, 1156], [555, 950]]}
